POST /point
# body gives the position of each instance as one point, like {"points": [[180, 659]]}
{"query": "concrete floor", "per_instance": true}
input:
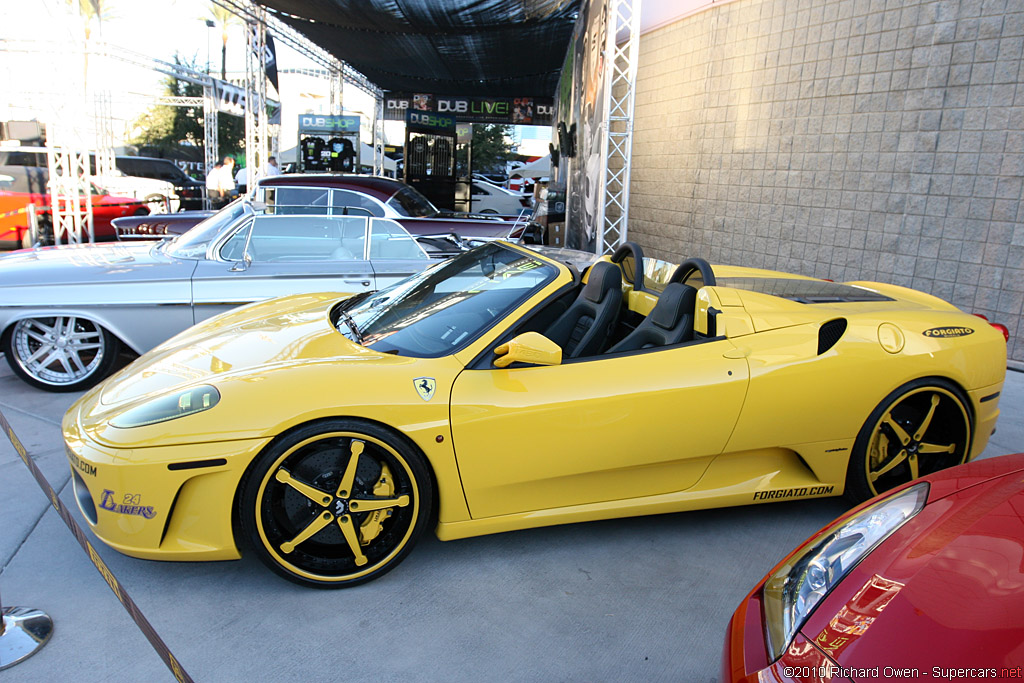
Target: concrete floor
{"points": [[635, 599]]}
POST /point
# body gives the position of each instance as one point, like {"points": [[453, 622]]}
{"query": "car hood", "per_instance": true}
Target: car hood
{"points": [[273, 363], [279, 332], [81, 264], [948, 587]]}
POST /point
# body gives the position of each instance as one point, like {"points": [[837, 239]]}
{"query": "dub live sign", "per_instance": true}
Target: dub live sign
{"points": [[537, 111]]}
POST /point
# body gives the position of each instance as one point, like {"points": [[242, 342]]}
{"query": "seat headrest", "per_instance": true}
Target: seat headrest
{"points": [[603, 278], [676, 301]]}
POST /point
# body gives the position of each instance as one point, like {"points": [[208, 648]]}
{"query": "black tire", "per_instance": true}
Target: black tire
{"points": [[922, 427], [306, 526], [60, 353]]}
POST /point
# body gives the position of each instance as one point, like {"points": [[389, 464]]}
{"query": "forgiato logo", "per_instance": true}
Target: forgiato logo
{"points": [[946, 332]]}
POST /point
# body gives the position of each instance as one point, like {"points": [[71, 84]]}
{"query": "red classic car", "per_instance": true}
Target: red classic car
{"points": [[924, 582], [334, 193], [24, 185]]}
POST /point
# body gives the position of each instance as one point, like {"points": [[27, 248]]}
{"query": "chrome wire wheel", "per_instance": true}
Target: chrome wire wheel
{"points": [[921, 428], [62, 353], [333, 506]]}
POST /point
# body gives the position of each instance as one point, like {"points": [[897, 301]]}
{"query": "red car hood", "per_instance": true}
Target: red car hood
{"points": [[946, 591]]}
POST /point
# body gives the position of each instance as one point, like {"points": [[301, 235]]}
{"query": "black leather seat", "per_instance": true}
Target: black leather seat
{"points": [[585, 326], [669, 322]]}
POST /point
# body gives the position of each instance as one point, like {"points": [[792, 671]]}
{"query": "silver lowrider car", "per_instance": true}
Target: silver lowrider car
{"points": [[67, 312]]}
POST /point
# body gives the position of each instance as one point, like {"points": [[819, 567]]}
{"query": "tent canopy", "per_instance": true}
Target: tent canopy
{"points": [[445, 47], [535, 169]]}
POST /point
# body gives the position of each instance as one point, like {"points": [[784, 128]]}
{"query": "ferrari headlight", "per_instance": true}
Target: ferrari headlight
{"points": [[795, 589], [170, 407]]}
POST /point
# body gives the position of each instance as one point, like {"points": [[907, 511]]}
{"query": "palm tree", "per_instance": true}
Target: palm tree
{"points": [[224, 18], [89, 10]]}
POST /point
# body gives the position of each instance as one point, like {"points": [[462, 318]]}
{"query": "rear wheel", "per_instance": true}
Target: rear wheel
{"points": [[336, 503], [922, 427], [62, 353]]}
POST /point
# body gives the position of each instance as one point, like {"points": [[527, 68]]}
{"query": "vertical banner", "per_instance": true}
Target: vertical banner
{"points": [[581, 128], [272, 62], [269, 55]]}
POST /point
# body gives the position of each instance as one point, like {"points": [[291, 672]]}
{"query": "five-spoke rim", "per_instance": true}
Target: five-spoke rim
{"points": [[60, 350], [923, 431], [337, 506]]}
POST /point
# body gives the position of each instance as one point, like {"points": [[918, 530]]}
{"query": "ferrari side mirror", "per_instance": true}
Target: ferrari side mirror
{"points": [[529, 347]]}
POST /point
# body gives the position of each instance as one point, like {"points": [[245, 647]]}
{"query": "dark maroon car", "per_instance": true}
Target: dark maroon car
{"points": [[340, 194]]}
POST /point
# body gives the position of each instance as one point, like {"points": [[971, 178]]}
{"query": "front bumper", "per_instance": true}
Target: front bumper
{"points": [[162, 502]]}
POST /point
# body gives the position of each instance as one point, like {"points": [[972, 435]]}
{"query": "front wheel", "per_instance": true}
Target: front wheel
{"points": [[62, 353], [335, 503], [922, 427]]}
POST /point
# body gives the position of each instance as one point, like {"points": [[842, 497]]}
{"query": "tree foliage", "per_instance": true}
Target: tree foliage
{"points": [[171, 129], [491, 147]]}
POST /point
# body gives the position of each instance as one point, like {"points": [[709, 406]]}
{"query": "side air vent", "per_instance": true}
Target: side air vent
{"points": [[830, 333]]}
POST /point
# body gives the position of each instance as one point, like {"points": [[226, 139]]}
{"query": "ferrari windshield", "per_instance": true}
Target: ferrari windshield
{"points": [[194, 243], [441, 310]]}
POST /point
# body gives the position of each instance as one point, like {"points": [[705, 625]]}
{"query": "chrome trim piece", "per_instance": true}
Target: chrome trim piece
{"points": [[108, 304]]}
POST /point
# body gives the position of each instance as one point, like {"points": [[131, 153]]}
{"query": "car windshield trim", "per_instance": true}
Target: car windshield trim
{"points": [[443, 309], [195, 243]]}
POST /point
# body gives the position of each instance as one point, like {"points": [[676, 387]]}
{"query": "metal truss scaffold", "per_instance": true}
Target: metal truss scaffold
{"points": [[623, 44], [70, 205], [378, 136], [339, 72], [67, 152], [257, 147]]}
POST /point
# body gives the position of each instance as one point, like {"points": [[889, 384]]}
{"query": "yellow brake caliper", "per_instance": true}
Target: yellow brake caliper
{"points": [[373, 525]]}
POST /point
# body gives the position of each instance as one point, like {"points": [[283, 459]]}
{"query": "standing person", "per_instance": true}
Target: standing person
{"points": [[272, 167], [220, 183], [242, 179]]}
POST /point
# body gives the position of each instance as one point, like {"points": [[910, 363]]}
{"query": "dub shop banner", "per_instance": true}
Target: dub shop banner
{"points": [[526, 111]]}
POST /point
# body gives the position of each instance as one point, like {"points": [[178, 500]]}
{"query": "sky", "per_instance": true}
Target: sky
{"points": [[154, 29]]}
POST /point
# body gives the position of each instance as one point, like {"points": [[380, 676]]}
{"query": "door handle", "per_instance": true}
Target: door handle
{"points": [[364, 283]]}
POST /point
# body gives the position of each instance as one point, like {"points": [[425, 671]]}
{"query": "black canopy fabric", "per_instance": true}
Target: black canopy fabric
{"points": [[493, 48]]}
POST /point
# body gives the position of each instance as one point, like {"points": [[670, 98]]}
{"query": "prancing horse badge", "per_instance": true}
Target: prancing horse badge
{"points": [[425, 387]]}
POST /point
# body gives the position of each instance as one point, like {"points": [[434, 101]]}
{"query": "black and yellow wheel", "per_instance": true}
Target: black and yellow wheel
{"points": [[335, 503], [922, 427]]}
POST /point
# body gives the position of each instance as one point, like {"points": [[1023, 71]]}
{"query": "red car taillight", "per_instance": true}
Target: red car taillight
{"points": [[1002, 328]]}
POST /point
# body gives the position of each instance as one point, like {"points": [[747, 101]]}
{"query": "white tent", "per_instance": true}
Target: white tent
{"points": [[535, 169], [288, 156]]}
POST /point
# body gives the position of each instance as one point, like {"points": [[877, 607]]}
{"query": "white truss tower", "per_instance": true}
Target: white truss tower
{"points": [[257, 146], [337, 89], [378, 135], [623, 44], [67, 155]]}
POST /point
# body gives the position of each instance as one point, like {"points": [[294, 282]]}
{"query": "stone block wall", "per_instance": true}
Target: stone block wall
{"points": [[846, 139]]}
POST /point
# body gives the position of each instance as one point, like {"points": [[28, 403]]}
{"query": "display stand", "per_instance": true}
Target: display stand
{"points": [[430, 141], [328, 144], [23, 631]]}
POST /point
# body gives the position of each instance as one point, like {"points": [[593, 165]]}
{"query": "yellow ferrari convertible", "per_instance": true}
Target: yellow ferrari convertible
{"points": [[513, 387]]}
